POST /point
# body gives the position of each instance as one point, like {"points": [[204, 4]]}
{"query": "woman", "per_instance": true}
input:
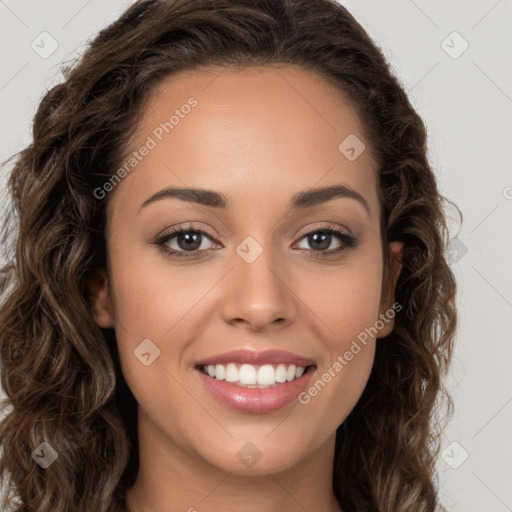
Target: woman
{"points": [[227, 288]]}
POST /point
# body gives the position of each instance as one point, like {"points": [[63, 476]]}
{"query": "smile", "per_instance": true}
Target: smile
{"points": [[255, 382]]}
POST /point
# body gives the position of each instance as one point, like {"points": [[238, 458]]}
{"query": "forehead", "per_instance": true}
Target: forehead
{"points": [[258, 100], [251, 130]]}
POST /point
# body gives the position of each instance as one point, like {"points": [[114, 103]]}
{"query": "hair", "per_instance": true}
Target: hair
{"points": [[60, 371]]}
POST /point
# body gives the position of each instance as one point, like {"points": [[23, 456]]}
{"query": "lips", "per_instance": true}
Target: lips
{"points": [[257, 382], [257, 358]]}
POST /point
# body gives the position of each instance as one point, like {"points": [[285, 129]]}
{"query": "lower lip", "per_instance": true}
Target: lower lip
{"points": [[254, 399]]}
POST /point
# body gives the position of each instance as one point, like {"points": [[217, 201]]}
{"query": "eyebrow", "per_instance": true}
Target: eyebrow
{"points": [[304, 199]]}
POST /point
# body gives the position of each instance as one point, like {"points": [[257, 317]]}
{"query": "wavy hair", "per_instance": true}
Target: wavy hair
{"points": [[60, 371]]}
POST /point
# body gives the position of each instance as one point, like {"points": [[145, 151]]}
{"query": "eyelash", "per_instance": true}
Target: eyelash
{"points": [[349, 241]]}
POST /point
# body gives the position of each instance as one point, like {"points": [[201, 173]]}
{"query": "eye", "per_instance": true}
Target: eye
{"points": [[187, 240], [190, 242], [321, 240]]}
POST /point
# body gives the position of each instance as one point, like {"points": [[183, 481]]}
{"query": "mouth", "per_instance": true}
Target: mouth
{"points": [[255, 382]]}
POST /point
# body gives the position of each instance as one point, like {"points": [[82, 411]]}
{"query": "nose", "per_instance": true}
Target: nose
{"points": [[259, 294]]}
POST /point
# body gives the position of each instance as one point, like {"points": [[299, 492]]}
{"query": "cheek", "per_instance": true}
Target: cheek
{"points": [[346, 300], [153, 300], [153, 305], [150, 300]]}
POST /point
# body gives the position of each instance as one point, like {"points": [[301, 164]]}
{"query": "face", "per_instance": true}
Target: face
{"points": [[241, 338]]}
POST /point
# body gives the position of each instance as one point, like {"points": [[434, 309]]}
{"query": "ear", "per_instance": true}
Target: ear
{"points": [[387, 310], [99, 293]]}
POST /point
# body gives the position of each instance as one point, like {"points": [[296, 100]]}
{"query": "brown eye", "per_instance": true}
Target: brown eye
{"points": [[183, 240], [320, 240]]}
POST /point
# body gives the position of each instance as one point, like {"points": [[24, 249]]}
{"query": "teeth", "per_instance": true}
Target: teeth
{"points": [[231, 373], [220, 372], [281, 373], [248, 375], [266, 375]]}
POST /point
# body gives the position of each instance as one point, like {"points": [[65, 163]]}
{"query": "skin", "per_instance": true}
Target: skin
{"points": [[258, 135]]}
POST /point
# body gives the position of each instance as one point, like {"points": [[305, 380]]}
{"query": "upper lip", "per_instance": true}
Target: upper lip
{"points": [[257, 358]]}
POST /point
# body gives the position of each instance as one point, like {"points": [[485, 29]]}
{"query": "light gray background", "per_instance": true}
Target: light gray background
{"points": [[467, 105]]}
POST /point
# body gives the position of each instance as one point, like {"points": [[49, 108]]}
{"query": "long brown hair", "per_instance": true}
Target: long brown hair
{"points": [[60, 371]]}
